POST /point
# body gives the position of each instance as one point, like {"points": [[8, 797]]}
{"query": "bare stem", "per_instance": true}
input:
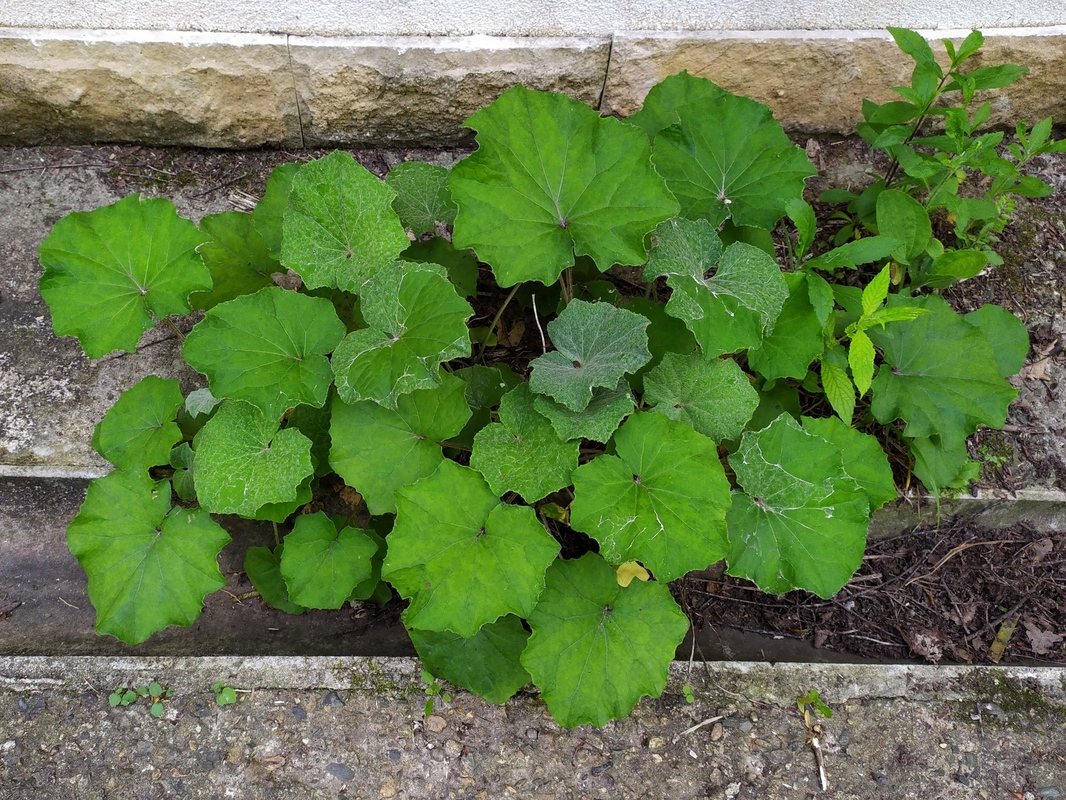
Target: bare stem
{"points": [[277, 539], [496, 319], [174, 328]]}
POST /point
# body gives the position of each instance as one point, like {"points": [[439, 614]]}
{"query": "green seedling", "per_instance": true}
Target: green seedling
{"points": [[152, 692], [433, 690], [224, 695]]}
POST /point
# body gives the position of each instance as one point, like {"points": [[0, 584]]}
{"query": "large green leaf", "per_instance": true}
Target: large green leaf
{"points": [[551, 178], [268, 349], [801, 521], [461, 265], [900, 216], [417, 322], [238, 258], [730, 311], [486, 663], [139, 428], [595, 345], [942, 464], [666, 334], [422, 195], [713, 396], [596, 647], [597, 421], [660, 107], [861, 454], [485, 387], [244, 462], [796, 339], [661, 501], [378, 450], [728, 158], [339, 225], [522, 453], [451, 534], [149, 565], [110, 274], [940, 374], [269, 212], [263, 568], [322, 563], [1006, 333]]}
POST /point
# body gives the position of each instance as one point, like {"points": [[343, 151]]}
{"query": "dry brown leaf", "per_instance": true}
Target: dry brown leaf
{"points": [[1042, 641]]}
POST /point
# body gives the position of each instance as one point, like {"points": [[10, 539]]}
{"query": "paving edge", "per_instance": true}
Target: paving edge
{"points": [[249, 90], [771, 683]]}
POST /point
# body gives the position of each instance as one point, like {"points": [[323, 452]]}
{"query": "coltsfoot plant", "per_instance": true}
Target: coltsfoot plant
{"points": [[725, 407]]}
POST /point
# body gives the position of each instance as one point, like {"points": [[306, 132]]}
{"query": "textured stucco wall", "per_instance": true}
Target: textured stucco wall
{"points": [[522, 17]]}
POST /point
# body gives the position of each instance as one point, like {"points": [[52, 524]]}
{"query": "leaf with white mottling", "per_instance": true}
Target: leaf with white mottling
{"points": [[713, 396]]}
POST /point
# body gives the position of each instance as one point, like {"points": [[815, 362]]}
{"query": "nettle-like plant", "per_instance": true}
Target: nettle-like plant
{"points": [[720, 408]]}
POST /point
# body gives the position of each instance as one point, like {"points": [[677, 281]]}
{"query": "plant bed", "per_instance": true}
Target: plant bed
{"points": [[697, 402]]}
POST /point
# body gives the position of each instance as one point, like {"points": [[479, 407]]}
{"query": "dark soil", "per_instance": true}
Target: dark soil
{"points": [[956, 594]]}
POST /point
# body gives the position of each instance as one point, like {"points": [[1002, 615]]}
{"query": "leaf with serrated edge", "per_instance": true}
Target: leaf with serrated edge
{"points": [[263, 568], [1006, 333], [422, 195], [796, 340], [801, 521], [839, 391], [237, 257], [551, 179], [861, 360], [451, 532], [939, 374], [417, 322], [660, 106], [729, 158], [149, 565], [713, 396], [597, 648], [110, 274], [321, 564], [862, 456], [522, 453], [595, 345], [139, 427], [597, 421], [244, 462], [269, 212], [268, 349], [661, 501], [378, 450], [339, 226], [666, 334], [486, 663], [461, 265]]}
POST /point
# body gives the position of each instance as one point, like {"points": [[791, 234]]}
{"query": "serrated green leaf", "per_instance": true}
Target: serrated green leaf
{"points": [[839, 390], [666, 334], [660, 106], [942, 464], [900, 216], [951, 267], [378, 450], [683, 248], [139, 428], [801, 521], [713, 396], [661, 501], [883, 316], [422, 195], [244, 462], [876, 292], [487, 663], [850, 255], [939, 374], [820, 295], [861, 360], [913, 44], [522, 452], [597, 648], [597, 421], [201, 402], [461, 265], [339, 225], [269, 212], [268, 349], [802, 216], [1006, 333], [321, 565], [279, 512], [796, 340], [862, 456], [149, 565], [595, 345], [237, 257], [110, 274], [417, 322], [451, 532], [728, 158], [551, 179], [263, 568]]}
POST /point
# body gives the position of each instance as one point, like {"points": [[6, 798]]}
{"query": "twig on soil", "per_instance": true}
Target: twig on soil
{"points": [[954, 552], [222, 185], [536, 317], [43, 167], [696, 727]]}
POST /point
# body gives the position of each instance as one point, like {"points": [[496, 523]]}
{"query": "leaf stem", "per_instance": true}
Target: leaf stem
{"points": [[566, 282], [455, 446], [173, 327], [496, 319], [277, 539]]}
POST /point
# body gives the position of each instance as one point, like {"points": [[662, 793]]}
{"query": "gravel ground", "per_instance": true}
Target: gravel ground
{"points": [[896, 732]]}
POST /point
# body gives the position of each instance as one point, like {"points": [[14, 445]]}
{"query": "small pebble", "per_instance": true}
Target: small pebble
{"points": [[394, 755], [340, 771], [716, 731], [388, 789], [532, 734], [331, 699], [453, 749], [9, 745], [435, 724], [299, 713], [745, 726], [1048, 791]]}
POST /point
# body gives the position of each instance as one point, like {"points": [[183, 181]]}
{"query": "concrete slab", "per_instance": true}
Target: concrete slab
{"points": [[345, 728]]}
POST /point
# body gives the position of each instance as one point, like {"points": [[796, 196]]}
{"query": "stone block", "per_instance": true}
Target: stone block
{"points": [[815, 81], [418, 90], [207, 90]]}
